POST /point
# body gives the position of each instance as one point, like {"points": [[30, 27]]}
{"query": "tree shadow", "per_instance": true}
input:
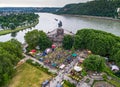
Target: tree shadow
{"points": [[13, 34]]}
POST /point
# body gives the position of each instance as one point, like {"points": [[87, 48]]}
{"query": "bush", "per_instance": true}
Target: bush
{"points": [[83, 73], [104, 76]]}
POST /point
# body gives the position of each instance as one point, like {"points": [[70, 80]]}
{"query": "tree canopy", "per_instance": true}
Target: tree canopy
{"points": [[13, 21], [106, 8], [10, 54], [99, 42], [94, 63], [37, 38], [68, 41], [115, 53]]}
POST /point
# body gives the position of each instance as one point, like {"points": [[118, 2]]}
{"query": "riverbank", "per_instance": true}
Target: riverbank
{"points": [[96, 17], [3, 32]]}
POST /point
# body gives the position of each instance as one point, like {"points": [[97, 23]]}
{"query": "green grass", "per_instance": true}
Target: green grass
{"points": [[3, 32], [68, 84], [65, 85], [28, 76], [113, 82]]}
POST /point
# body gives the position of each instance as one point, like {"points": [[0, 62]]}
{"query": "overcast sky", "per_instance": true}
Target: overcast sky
{"points": [[37, 3]]}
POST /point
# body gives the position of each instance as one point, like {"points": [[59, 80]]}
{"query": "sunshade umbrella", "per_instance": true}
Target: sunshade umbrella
{"points": [[77, 68], [74, 54], [33, 50], [53, 46]]}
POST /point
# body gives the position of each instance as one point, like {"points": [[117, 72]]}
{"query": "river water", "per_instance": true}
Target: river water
{"points": [[47, 23]]}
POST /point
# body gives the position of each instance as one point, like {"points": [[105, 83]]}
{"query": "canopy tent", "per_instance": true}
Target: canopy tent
{"points": [[53, 46], [54, 64], [77, 68], [78, 58], [59, 85], [89, 52], [41, 59], [33, 50], [74, 54], [46, 61], [114, 67], [44, 53], [69, 58], [62, 66], [38, 54], [81, 60], [48, 50]]}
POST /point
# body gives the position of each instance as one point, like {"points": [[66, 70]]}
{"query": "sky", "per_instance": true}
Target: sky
{"points": [[38, 3]]}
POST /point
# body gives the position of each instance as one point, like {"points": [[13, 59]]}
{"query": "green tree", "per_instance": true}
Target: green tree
{"points": [[78, 42], [115, 54], [37, 38], [12, 26], [6, 66], [10, 54], [105, 8], [32, 38], [14, 20], [94, 63], [44, 42], [99, 42], [68, 41]]}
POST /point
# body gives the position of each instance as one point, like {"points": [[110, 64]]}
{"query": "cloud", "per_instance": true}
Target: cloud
{"points": [[37, 3]]}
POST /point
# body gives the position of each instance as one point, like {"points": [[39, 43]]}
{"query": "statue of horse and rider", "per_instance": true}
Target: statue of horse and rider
{"points": [[60, 24]]}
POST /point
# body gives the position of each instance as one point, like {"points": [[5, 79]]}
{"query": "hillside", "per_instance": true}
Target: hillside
{"points": [[104, 8]]}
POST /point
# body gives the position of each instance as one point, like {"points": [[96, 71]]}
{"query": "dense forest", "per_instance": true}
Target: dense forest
{"points": [[13, 21], [10, 54], [105, 8]]}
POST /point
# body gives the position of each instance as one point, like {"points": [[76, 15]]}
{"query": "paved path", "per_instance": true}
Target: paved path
{"points": [[62, 75], [39, 62]]}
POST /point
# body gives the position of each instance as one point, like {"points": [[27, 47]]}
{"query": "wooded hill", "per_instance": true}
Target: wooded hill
{"points": [[104, 8]]}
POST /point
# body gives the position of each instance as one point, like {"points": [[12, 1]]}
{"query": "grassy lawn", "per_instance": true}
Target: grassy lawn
{"points": [[65, 85], [28, 76], [68, 84], [3, 32]]}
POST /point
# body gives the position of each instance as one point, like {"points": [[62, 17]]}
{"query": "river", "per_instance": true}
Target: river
{"points": [[47, 23]]}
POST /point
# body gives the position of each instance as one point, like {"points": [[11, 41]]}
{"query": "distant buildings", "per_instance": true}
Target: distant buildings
{"points": [[28, 9]]}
